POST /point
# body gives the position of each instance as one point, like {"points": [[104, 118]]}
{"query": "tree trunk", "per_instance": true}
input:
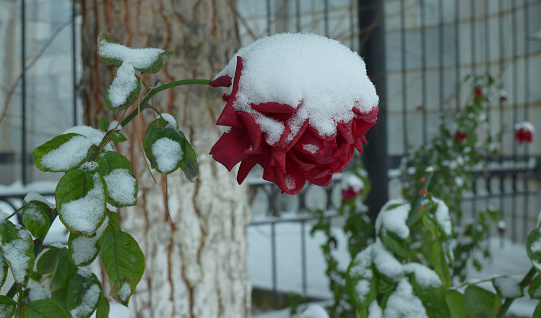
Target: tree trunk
{"points": [[196, 259]]}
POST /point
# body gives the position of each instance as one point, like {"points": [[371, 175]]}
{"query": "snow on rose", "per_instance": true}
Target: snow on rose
{"points": [[298, 105]]}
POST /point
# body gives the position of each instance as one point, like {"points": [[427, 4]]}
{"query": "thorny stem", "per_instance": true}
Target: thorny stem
{"points": [[415, 213], [525, 281]]}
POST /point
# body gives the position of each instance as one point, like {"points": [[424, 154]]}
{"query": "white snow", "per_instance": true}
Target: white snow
{"points": [[34, 196], [88, 303], [313, 311], [124, 292], [68, 155], [290, 182], [310, 148], [442, 217], [424, 276], [124, 83], [89, 166], [526, 125], [32, 212], [84, 214], [121, 186], [14, 253], [94, 135], [138, 58], [374, 310], [403, 304], [84, 248], [508, 286], [321, 77], [362, 264], [385, 262], [394, 220], [171, 121], [351, 181], [167, 153]]}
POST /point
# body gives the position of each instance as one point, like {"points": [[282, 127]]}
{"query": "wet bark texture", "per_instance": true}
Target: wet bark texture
{"points": [[196, 260]]}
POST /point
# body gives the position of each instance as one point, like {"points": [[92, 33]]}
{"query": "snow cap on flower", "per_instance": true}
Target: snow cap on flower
{"points": [[298, 105], [524, 132]]}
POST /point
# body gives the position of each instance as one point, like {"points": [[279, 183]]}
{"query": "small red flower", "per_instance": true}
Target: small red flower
{"points": [[460, 136], [477, 92], [502, 226], [352, 186], [286, 117], [524, 132]]}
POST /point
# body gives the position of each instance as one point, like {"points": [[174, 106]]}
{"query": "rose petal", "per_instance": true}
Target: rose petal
{"points": [[229, 149], [222, 81]]}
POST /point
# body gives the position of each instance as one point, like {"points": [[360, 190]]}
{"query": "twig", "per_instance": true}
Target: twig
{"points": [[415, 213]]}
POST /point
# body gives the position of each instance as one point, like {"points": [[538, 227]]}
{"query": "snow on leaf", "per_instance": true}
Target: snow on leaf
{"points": [[62, 153], [121, 187], [18, 249], [403, 303], [168, 154], [84, 292], [508, 287], [80, 198], [393, 217], [385, 262], [424, 276], [83, 250], [443, 218]]}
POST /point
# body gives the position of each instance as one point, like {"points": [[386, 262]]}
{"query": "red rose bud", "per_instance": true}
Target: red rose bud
{"points": [[460, 136], [298, 105], [352, 186], [477, 92], [503, 95], [524, 132], [502, 226]]}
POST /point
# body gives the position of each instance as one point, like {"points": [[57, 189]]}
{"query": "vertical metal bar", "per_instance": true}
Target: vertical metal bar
{"points": [[74, 61], [423, 71], [326, 16], [298, 14], [526, 112], [372, 49], [515, 117], [473, 35], [303, 260], [441, 53], [501, 105], [273, 260], [269, 17], [23, 92], [404, 75], [457, 54]]}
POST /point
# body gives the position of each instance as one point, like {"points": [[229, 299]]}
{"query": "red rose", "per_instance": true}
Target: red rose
{"points": [[477, 92], [524, 132], [352, 186], [460, 136], [290, 136]]}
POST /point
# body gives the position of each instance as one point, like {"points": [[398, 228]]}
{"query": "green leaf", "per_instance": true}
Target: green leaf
{"points": [[456, 304], [81, 201], [537, 311], [18, 249], [533, 247], [63, 270], [103, 124], [84, 291], [118, 137], [122, 186], [481, 302], [7, 307], [60, 296], [534, 289], [187, 162], [83, 250], [433, 299], [3, 270], [47, 261], [158, 63], [36, 218], [129, 99], [439, 262], [395, 244], [507, 287], [102, 311], [73, 158], [123, 262], [43, 308], [104, 36]]}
